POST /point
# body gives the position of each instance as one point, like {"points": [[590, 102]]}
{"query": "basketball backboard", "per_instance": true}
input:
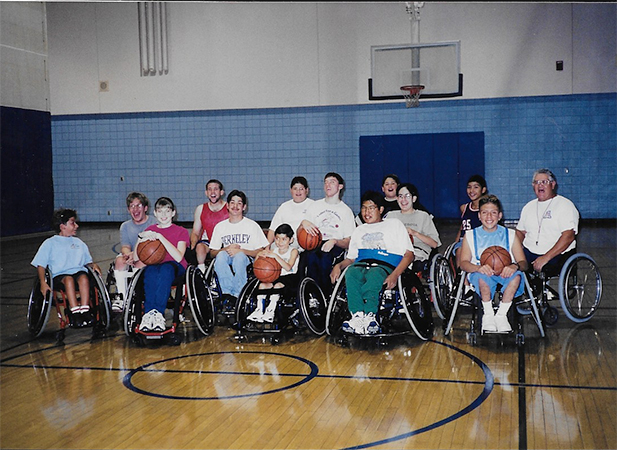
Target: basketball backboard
{"points": [[436, 66]]}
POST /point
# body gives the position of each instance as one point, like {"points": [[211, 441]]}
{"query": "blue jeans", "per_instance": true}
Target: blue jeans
{"points": [[157, 284], [231, 272]]}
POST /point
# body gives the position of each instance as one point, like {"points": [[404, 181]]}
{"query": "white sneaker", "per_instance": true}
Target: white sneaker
{"points": [[182, 318], [355, 324], [117, 304], [271, 309], [502, 324], [146, 322], [256, 316], [488, 324], [158, 321], [371, 326]]}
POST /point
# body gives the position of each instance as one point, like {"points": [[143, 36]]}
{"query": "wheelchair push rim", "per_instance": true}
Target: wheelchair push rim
{"points": [[580, 287]]}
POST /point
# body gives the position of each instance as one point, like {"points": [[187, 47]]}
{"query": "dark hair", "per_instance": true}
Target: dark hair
{"points": [[237, 193], [338, 178], [301, 180], [163, 202], [491, 198], [413, 190], [137, 195], [285, 229], [478, 179], [61, 217], [373, 196], [217, 182], [393, 176]]}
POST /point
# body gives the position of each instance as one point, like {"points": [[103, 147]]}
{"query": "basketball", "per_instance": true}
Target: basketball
{"points": [[151, 252], [497, 257], [266, 269], [308, 241]]}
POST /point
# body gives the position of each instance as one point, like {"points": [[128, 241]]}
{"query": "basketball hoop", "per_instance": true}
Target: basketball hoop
{"points": [[412, 94]]}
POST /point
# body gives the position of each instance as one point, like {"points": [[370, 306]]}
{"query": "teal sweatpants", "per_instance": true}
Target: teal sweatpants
{"points": [[363, 286]]}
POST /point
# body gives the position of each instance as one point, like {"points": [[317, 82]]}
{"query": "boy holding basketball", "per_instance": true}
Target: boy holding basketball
{"points": [[67, 256], [287, 257], [483, 277], [158, 278], [234, 242]]}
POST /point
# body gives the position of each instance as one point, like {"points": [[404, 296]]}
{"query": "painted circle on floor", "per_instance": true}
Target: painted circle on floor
{"points": [[257, 370]]}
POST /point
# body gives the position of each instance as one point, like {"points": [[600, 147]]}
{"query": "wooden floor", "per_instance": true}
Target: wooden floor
{"points": [[213, 392]]}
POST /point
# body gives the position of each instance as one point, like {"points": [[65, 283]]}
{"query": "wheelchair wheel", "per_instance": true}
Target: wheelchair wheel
{"points": [[39, 306], [313, 306], [416, 305], [99, 299], [212, 283], [200, 300], [580, 287], [247, 302], [134, 304], [442, 286], [337, 311]]}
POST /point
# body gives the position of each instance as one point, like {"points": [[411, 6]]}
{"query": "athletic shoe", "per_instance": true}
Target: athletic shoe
{"points": [[146, 322], [182, 318], [117, 304], [488, 323], [502, 324], [158, 321], [370, 324], [256, 316], [355, 324]]}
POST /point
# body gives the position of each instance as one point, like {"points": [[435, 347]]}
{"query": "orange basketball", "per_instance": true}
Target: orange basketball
{"points": [[266, 269], [497, 257], [308, 241], [151, 252]]}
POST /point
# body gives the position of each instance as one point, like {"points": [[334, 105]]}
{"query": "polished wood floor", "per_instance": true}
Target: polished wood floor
{"points": [[214, 392]]}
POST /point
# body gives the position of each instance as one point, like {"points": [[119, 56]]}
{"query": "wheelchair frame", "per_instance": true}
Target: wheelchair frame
{"points": [[297, 313], [39, 306], [404, 307]]}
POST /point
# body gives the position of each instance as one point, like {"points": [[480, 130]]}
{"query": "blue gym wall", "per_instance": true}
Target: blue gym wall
{"points": [[98, 159]]}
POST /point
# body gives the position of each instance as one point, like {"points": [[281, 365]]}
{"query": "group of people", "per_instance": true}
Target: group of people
{"points": [[393, 232]]}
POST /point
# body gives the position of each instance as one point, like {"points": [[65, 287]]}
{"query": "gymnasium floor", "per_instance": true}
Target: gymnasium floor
{"points": [[306, 393]]}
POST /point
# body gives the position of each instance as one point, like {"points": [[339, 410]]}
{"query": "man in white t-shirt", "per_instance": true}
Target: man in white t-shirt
{"points": [[548, 225], [335, 220], [235, 241], [387, 246]]}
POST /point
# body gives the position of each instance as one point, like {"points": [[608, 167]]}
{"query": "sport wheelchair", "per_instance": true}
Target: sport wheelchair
{"points": [[190, 287], [402, 310], [39, 306], [305, 309]]}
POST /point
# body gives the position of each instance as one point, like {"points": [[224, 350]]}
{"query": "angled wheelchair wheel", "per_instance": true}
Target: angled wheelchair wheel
{"points": [[337, 311], [247, 301], [212, 283], [442, 286], [200, 300], [134, 304], [313, 305], [39, 306], [99, 300], [580, 287], [417, 307]]}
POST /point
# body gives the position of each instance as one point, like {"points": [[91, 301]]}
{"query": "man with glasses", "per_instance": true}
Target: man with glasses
{"points": [[548, 225], [137, 206]]}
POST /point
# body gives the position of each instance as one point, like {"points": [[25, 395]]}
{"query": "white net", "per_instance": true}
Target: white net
{"points": [[412, 95]]}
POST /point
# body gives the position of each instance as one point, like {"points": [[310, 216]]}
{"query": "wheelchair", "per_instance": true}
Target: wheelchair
{"points": [[224, 307], [403, 310], [39, 306], [305, 309], [189, 287], [111, 283], [453, 293]]}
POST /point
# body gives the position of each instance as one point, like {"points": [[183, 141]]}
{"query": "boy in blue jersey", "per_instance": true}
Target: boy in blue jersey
{"points": [[483, 278], [387, 246]]}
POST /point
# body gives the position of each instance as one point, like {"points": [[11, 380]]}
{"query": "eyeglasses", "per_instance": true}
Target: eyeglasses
{"points": [[541, 182], [369, 208], [137, 206], [407, 196]]}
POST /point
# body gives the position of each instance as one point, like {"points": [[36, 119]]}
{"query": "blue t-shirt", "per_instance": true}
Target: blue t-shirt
{"points": [[64, 255]]}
